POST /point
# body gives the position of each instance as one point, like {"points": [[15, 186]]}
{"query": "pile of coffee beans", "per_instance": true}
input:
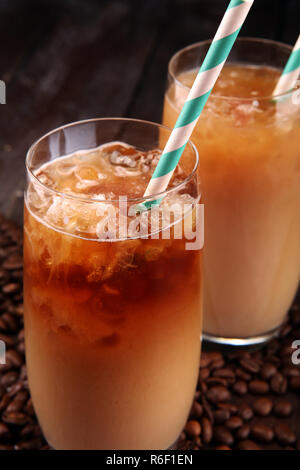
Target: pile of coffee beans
{"points": [[19, 429], [248, 400], [244, 400]]}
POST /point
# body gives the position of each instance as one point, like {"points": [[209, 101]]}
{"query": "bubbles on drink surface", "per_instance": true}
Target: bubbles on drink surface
{"points": [[98, 178], [249, 88]]}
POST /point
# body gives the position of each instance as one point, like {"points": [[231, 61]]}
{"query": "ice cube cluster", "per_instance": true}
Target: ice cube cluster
{"points": [[79, 194]]}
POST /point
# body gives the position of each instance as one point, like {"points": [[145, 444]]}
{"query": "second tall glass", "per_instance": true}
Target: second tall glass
{"points": [[249, 162]]}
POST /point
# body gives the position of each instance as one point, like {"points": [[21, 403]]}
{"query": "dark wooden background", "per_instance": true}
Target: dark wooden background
{"points": [[64, 60]]}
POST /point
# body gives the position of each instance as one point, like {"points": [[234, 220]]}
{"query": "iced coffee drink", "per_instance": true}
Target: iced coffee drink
{"points": [[112, 313], [249, 162]]}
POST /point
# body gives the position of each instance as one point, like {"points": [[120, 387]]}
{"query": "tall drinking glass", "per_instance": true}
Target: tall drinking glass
{"points": [[249, 161], [112, 312]]}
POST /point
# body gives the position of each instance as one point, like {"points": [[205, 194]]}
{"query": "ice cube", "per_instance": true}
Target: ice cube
{"points": [[116, 158], [86, 173], [123, 172], [64, 168], [45, 179]]}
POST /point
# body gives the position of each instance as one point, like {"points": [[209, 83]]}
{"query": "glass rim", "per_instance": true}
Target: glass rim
{"points": [[140, 199], [249, 39]]}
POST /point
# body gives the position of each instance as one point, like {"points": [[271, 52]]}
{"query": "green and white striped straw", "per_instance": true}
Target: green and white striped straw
{"points": [[290, 73], [209, 71]]}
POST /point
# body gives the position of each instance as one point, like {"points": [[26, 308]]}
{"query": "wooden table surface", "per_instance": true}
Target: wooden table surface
{"points": [[65, 60]]}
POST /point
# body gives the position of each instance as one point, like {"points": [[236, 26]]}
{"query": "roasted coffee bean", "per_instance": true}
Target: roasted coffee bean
{"points": [[284, 433], [14, 357], [243, 432], [215, 356], [262, 406], [193, 428], [197, 441], [45, 447], [5, 368], [6, 447], [187, 445], [239, 354], [283, 408], [204, 374], [234, 422], [205, 360], [285, 330], [207, 409], [16, 418], [196, 410], [4, 431], [258, 387], [21, 335], [217, 364], [222, 447], [243, 375], [272, 347], [267, 371], [224, 374], [29, 408], [250, 365], [11, 288], [290, 371], [240, 387], [18, 402], [218, 394], [21, 347], [10, 321], [223, 435], [262, 433], [3, 325], [19, 310], [8, 340], [15, 388], [12, 263], [220, 416], [216, 381], [32, 429], [5, 400], [245, 412], [203, 387], [207, 430], [279, 384], [248, 445], [30, 444], [9, 378], [23, 373], [295, 383], [233, 409]]}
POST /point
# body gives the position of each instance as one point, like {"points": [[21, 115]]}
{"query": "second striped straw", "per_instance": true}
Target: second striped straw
{"points": [[209, 71], [290, 73]]}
